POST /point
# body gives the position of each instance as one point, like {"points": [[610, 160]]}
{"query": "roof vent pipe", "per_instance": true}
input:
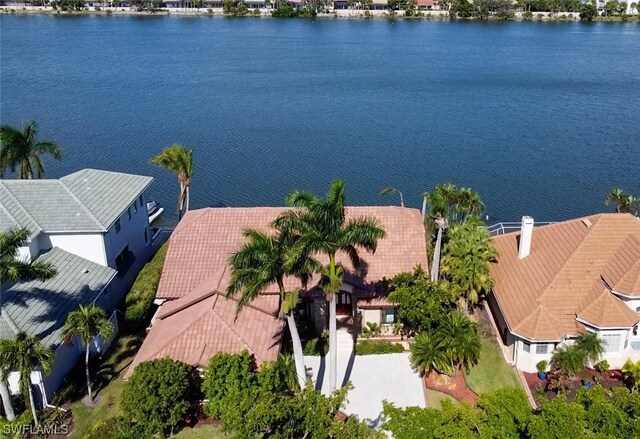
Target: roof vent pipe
{"points": [[526, 233]]}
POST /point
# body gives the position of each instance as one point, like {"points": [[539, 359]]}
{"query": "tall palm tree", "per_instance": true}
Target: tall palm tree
{"points": [[631, 371], [21, 151], [13, 269], [24, 354], [632, 204], [179, 160], [591, 346], [392, 190], [617, 197], [264, 260], [466, 261], [324, 229], [86, 323], [429, 353]]}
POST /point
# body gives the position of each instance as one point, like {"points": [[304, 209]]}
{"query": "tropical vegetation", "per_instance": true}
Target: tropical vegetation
{"points": [[20, 152], [572, 359], [86, 323], [323, 229], [157, 396], [631, 372], [252, 402], [377, 347], [265, 260], [506, 413], [622, 201], [466, 261], [25, 353], [14, 269], [178, 160]]}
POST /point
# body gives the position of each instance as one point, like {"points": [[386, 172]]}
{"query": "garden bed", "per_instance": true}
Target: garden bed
{"points": [[454, 386], [607, 379]]}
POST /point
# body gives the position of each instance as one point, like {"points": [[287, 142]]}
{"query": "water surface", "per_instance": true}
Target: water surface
{"points": [[542, 119]]}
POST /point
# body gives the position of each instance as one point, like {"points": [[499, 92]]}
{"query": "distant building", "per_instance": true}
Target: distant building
{"points": [[556, 281], [92, 227]]}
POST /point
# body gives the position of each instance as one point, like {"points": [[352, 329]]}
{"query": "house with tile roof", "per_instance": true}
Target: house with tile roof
{"points": [[92, 226], [195, 320], [556, 281]]}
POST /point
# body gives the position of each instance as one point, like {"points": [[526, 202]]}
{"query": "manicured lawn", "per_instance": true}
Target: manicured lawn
{"points": [[203, 432], [435, 398], [108, 399], [491, 372]]}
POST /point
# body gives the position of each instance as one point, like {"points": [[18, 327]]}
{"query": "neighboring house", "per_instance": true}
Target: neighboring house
{"points": [[195, 320], [553, 282], [92, 226]]}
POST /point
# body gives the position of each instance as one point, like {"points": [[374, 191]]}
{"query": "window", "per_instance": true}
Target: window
{"points": [[389, 315], [129, 213], [141, 202], [611, 342], [542, 348], [526, 346], [118, 227], [146, 235]]}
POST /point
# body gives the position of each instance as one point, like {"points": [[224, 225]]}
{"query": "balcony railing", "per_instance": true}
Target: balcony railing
{"points": [[502, 228]]}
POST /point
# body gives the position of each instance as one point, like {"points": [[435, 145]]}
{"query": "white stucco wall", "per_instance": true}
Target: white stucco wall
{"points": [[527, 361], [371, 315], [89, 246], [131, 233]]}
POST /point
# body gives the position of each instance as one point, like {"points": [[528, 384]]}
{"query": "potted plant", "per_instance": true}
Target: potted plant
{"points": [[602, 366], [542, 370]]}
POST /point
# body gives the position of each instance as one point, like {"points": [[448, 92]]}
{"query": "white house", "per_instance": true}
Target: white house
{"points": [[556, 281], [92, 226]]}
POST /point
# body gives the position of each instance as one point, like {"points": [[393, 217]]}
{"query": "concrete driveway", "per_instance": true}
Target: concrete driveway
{"points": [[375, 378]]}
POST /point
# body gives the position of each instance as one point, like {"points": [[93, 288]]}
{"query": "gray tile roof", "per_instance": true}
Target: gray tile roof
{"points": [[86, 201], [41, 308]]}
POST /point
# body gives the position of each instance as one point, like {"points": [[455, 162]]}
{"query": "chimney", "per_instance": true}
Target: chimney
{"points": [[526, 233]]}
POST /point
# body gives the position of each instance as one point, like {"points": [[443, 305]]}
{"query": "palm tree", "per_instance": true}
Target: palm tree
{"points": [[392, 190], [178, 160], [461, 340], [24, 354], [20, 150], [591, 345], [631, 372], [263, 260], [323, 229], [632, 204], [617, 197], [13, 269], [86, 323], [466, 261], [569, 359], [429, 353]]}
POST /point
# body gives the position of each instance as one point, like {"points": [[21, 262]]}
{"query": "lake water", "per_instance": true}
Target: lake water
{"points": [[542, 119]]}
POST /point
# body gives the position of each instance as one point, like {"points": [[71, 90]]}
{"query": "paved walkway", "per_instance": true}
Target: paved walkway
{"points": [[375, 378]]}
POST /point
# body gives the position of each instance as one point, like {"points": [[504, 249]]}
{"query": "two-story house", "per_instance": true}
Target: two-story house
{"points": [[92, 226]]}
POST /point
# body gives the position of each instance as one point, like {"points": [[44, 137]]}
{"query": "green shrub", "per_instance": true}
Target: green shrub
{"points": [[371, 329], [157, 395], [13, 429], [117, 428], [370, 347], [317, 346], [227, 374], [140, 298], [541, 366], [602, 366], [528, 15]]}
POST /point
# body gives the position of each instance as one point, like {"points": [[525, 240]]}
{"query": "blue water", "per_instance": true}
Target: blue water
{"points": [[542, 119]]}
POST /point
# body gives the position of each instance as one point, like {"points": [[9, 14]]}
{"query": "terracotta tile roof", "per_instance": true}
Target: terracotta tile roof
{"points": [[607, 308], [541, 295], [203, 241], [201, 324]]}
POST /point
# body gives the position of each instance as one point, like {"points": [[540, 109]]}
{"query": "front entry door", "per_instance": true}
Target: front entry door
{"points": [[343, 304]]}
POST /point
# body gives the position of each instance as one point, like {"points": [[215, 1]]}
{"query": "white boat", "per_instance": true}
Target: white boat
{"points": [[154, 210]]}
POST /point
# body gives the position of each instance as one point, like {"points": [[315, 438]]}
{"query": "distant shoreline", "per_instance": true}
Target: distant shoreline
{"points": [[355, 14]]}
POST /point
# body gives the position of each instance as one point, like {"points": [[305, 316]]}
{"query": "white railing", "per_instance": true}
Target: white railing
{"points": [[502, 228]]}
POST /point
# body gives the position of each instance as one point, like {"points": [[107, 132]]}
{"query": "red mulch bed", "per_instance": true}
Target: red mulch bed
{"points": [[454, 386], [607, 379]]}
